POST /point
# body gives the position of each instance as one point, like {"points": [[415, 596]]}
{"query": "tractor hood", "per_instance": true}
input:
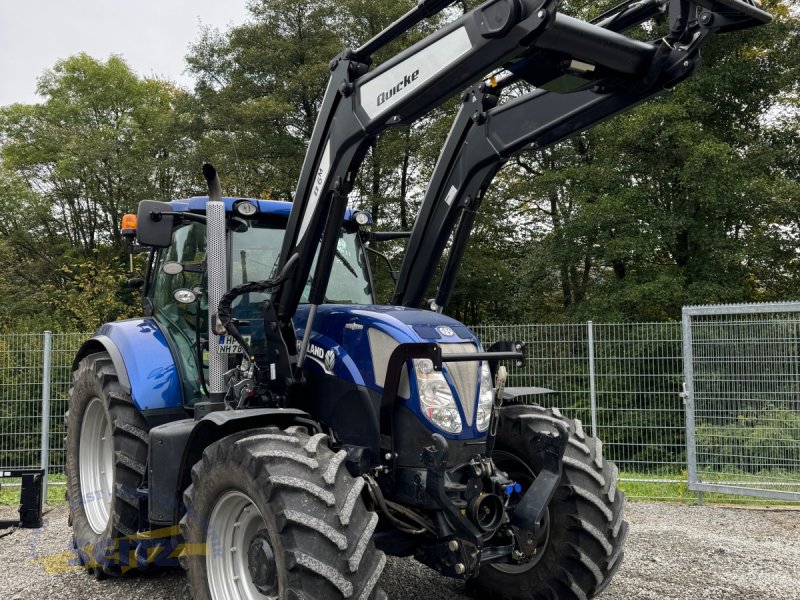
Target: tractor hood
{"points": [[354, 343]]}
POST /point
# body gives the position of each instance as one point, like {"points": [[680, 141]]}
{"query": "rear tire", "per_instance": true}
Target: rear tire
{"points": [[313, 531], [586, 529], [106, 459]]}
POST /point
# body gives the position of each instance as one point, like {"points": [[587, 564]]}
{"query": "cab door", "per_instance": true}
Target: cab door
{"points": [[179, 268]]}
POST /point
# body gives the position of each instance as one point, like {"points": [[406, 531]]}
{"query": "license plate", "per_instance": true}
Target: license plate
{"points": [[228, 345]]}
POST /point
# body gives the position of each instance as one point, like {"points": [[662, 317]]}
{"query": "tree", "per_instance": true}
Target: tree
{"points": [[102, 140], [683, 200], [259, 88]]}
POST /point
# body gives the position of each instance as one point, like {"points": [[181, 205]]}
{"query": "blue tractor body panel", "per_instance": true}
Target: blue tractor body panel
{"points": [[344, 329], [339, 345], [148, 362], [268, 207]]}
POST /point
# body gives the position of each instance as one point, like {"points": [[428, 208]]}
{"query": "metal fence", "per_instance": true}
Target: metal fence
{"points": [[35, 371], [622, 380], [743, 399]]}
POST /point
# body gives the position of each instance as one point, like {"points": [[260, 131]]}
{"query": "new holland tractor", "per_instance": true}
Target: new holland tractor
{"points": [[269, 426]]}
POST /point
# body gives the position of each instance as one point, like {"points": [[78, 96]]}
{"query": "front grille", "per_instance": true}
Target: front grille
{"points": [[464, 376], [381, 347]]}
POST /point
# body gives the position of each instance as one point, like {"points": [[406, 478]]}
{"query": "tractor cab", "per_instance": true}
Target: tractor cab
{"points": [[175, 289]]}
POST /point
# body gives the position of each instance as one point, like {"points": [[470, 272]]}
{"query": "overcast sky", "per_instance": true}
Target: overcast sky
{"points": [[151, 35]]}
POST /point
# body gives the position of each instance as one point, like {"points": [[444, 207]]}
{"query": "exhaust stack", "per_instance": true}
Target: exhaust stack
{"points": [[217, 279]]}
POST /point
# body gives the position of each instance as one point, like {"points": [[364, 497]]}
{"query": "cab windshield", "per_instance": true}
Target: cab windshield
{"points": [[255, 246]]}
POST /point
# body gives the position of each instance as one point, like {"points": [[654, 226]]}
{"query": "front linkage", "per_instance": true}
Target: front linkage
{"points": [[480, 514], [486, 532]]}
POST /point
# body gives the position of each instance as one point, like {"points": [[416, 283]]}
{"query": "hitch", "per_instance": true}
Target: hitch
{"points": [[434, 458], [456, 558], [528, 515]]}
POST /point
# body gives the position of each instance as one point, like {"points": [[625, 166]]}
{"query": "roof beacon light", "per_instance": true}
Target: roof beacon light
{"points": [[128, 228]]}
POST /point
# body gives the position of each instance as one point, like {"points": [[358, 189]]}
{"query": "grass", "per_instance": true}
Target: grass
{"points": [[9, 494], [673, 487]]}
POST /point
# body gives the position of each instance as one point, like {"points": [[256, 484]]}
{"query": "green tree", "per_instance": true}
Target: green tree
{"points": [[102, 140], [258, 92], [687, 199]]}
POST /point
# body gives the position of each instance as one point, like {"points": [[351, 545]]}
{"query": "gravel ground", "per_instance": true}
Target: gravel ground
{"points": [[674, 552]]}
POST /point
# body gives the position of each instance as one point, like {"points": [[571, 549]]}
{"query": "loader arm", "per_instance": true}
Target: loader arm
{"points": [[485, 135], [359, 104]]}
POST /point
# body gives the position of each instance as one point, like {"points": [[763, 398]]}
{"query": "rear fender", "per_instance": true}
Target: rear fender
{"points": [[144, 364]]}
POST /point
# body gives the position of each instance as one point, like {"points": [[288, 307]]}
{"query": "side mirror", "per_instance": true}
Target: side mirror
{"points": [[154, 223]]}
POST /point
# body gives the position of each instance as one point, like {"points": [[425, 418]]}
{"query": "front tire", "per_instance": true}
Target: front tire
{"points": [[585, 533], [106, 460], [287, 502]]}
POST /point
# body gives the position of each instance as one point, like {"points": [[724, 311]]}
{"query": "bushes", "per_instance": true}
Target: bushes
{"points": [[752, 442]]}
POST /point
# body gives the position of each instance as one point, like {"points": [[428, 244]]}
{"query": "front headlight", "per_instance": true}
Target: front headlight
{"points": [[485, 399], [435, 398]]}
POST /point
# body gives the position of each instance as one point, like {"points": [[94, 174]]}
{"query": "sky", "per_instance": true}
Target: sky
{"points": [[153, 36]]}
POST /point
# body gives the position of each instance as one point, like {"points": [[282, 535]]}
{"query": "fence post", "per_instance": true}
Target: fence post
{"points": [[45, 458], [592, 393], [688, 401]]}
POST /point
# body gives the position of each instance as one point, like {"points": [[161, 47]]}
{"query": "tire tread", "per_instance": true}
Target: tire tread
{"points": [[587, 512], [96, 376], [324, 527]]}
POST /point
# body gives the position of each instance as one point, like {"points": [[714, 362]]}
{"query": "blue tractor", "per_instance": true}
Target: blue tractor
{"points": [[276, 431]]}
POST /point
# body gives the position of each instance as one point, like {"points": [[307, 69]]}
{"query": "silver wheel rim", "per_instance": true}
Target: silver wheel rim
{"points": [[234, 522], [96, 457]]}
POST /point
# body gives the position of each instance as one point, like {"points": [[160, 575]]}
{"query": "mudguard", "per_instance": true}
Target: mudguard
{"points": [[143, 361], [176, 446]]}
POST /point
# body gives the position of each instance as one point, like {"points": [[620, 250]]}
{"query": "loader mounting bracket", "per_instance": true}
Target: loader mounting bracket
{"points": [[529, 514]]}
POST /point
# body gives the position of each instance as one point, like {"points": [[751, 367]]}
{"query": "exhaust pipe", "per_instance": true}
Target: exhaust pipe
{"points": [[216, 249]]}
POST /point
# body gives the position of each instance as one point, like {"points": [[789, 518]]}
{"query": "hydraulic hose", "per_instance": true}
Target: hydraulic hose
{"points": [[224, 310]]}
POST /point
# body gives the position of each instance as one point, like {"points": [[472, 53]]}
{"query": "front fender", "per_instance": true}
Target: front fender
{"points": [[143, 361]]}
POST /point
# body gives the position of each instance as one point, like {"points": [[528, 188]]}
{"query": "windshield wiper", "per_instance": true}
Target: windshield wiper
{"points": [[346, 263]]}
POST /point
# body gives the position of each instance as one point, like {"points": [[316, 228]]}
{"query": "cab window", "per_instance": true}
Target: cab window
{"points": [[184, 324]]}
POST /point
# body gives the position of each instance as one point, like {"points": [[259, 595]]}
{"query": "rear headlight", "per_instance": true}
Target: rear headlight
{"points": [[435, 398]]}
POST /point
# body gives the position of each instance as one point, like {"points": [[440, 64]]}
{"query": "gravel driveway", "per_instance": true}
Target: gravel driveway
{"points": [[674, 552]]}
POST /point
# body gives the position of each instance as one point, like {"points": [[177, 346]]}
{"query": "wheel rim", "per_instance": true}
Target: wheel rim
{"points": [[520, 472], [238, 550], [96, 456]]}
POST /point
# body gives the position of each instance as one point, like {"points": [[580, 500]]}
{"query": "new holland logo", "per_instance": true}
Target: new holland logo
{"points": [[316, 351], [330, 361], [402, 84], [325, 358]]}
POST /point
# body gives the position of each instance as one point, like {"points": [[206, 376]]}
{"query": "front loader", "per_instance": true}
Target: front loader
{"points": [[270, 426]]}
